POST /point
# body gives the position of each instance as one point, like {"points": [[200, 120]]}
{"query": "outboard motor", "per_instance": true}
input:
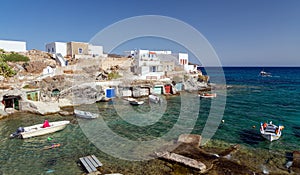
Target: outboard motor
{"points": [[17, 133]]}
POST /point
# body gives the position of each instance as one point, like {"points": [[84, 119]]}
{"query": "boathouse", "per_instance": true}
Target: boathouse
{"points": [[110, 93], [125, 91], [158, 89], [11, 101], [179, 86], [140, 91], [168, 89], [33, 95]]}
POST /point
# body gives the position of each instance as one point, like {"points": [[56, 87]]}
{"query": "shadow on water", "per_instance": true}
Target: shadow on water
{"points": [[296, 131], [250, 136], [289, 156]]}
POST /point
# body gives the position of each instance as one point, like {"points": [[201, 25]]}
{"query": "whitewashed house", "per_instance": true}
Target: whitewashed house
{"points": [[147, 65], [57, 47], [183, 59], [59, 51], [13, 46]]}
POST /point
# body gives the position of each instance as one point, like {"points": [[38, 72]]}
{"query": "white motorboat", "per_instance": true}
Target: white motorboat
{"points": [[270, 131], [264, 74], [85, 114], [134, 101], [39, 129], [154, 98], [207, 95]]}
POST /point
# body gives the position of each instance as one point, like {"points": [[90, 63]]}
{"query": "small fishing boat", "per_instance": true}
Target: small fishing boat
{"points": [[85, 114], [264, 74], [207, 95], [134, 102], [104, 99], [154, 98], [270, 131], [39, 129]]}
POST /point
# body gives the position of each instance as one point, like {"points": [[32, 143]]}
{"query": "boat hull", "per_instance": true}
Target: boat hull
{"points": [[37, 130], [154, 98], [208, 95], [270, 131], [136, 103], [85, 114], [271, 137]]}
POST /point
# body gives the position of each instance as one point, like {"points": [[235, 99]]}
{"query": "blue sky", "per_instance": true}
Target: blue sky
{"points": [[247, 33]]}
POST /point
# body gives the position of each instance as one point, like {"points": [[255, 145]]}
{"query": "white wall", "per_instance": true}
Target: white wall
{"points": [[167, 52], [57, 47], [183, 56], [61, 48], [95, 50], [13, 46]]}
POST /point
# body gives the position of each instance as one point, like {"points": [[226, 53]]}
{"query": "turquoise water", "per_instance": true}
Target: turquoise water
{"points": [[250, 100]]}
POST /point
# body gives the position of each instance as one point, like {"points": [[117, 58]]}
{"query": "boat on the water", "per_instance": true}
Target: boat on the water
{"points": [[85, 114], [39, 129], [134, 101], [208, 95], [104, 99], [264, 74], [154, 98], [270, 131]]}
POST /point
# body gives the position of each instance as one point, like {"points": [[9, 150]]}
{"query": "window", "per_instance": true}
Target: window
{"points": [[52, 49], [48, 50], [80, 50], [153, 68]]}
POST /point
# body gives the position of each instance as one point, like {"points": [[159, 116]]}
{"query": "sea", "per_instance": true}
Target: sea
{"points": [[249, 100]]}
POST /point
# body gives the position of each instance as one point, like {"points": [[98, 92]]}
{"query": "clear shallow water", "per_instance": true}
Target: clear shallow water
{"points": [[250, 100]]}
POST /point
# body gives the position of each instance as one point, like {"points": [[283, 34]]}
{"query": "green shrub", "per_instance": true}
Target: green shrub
{"points": [[6, 70], [14, 57], [113, 75]]}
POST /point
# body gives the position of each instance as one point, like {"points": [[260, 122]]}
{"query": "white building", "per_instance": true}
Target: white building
{"points": [[183, 59], [72, 49], [147, 65], [57, 47], [95, 50], [13, 46]]}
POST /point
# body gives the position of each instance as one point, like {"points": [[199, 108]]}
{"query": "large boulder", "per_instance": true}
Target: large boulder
{"points": [[192, 139], [296, 159]]}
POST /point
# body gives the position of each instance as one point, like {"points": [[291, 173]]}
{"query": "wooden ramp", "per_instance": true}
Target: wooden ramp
{"points": [[90, 163]]}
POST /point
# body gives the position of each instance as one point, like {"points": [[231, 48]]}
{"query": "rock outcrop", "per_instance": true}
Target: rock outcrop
{"points": [[192, 139]]}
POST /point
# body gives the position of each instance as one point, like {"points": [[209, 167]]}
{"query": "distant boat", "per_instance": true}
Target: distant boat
{"points": [[264, 74], [85, 114], [37, 130], [207, 95], [270, 131], [154, 98], [134, 102]]}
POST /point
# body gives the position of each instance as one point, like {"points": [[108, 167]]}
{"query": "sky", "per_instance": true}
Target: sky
{"points": [[243, 33]]}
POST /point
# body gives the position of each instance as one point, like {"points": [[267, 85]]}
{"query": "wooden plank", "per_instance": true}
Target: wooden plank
{"points": [[96, 160], [92, 161], [90, 164], [87, 167]]}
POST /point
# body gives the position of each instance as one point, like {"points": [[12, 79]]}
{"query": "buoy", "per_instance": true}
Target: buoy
{"points": [[253, 126], [222, 121], [49, 138]]}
